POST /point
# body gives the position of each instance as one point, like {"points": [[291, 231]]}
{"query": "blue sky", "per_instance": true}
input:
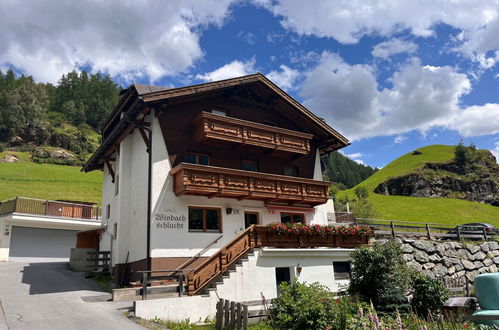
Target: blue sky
{"points": [[390, 76]]}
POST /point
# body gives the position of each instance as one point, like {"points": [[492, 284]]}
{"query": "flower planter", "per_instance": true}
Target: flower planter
{"points": [[350, 241], [319, 240]]}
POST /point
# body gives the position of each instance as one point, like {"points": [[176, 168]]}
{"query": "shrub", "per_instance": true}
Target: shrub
{"points": [[303, 306], [362, 208], [428, 295], [380, 275], [2, 146], [361, 192]]}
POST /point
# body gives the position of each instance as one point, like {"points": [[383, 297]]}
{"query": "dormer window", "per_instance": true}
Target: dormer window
{"points": [[219, 112], [197, 158], [249, 165]]}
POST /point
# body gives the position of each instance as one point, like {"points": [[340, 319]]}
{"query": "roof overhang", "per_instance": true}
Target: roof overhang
{"points": [[137, 101]]}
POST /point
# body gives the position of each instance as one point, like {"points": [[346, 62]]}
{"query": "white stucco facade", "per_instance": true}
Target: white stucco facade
{"points": [[252, 280], [170, 238]]}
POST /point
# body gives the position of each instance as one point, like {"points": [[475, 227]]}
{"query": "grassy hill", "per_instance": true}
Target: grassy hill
{"points": [[419, 209], [47, 181]]}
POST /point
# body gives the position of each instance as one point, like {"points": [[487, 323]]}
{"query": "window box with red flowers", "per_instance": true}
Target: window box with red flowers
{"points": [[317, 236]]}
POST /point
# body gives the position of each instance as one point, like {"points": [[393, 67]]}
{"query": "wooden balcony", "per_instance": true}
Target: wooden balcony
{"points": [[213, 127], [210, 181], [50, 208]]}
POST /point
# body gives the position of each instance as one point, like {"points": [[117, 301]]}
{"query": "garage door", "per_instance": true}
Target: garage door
{"points": [[26, 243]]}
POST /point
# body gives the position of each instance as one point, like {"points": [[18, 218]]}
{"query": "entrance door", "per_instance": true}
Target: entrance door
{"points": [[250, 218], [282, 274]]}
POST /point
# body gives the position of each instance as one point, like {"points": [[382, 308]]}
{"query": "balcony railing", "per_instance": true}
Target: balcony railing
{"points": [[214, 127], [210, 181], [50, 208]]}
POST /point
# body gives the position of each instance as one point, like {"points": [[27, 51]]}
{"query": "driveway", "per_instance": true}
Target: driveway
{"points": [[47, 295]]}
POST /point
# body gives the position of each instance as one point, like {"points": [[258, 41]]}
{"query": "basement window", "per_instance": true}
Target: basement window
{"points": [[341, 270], [205, 219]]}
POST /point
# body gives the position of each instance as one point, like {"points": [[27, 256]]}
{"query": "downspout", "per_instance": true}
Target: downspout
{"points": [[149, 198], [149, 195]]}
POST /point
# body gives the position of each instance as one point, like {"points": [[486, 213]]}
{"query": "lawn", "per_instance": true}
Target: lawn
{"points": [[47, 181], [418, 209]]}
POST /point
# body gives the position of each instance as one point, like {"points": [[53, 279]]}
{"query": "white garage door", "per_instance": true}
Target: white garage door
{"points": [[30, 243]]}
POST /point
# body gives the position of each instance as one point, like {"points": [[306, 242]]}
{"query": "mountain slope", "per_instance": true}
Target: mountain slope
{"points": [[438, 210], [344, 171], [46, 181]]}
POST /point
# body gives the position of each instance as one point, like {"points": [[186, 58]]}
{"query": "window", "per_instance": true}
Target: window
{"points": [[116, 185], [249, 165], [341, 270], [219, 112], [195, 158], [250, 218], [205, 219], [290, 170], [108, 211], [292, 218], [115, 230]]}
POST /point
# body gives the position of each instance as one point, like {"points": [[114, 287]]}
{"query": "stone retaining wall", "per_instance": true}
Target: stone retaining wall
{"points": [[451, 259]]}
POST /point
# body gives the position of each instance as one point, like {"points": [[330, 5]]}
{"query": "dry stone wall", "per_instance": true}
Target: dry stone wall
{"points": [[447, 260]]}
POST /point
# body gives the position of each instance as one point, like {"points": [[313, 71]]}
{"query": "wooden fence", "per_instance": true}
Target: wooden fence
{"points": [[237, 315], [50, 208], [396, 228]]}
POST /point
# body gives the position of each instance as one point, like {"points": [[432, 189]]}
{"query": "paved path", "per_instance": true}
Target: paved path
{"points": [[49, 296]]}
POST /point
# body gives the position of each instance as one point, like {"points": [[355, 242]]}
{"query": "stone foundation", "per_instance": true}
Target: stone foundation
{"points": [[448, 260]]}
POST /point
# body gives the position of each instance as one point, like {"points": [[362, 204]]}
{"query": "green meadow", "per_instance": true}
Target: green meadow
{"points": [[47, 181], [419, 209]]}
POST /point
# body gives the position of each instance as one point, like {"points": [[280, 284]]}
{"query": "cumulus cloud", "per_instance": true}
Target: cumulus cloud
{"points": [[233, 69], [355, 157], [476, 120], [348, 21], [393, 46], [285, 78], [348, 96], [495, 151], [147, 38], [399, 139]]}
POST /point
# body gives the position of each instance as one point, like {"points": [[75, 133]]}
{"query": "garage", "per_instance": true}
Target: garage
{"points": [[28, 243]]}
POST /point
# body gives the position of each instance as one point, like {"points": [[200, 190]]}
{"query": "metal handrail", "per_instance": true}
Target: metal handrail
{"points": [[197, 255]]}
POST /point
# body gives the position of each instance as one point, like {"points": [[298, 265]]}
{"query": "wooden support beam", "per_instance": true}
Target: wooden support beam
{"points": [[243, 197], [110, 168], [213, 194], [144, 137]]}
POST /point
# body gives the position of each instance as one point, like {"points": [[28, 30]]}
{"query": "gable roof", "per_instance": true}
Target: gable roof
{"points": [[139, 96]]}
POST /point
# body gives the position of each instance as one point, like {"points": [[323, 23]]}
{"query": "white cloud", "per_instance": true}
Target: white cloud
{"points": [[285, 78], [230, 70], [495, 151], [477, 120], [348, 21], [355, 157], [399, 139], [148, 38], [393, 46], [349, 98]]}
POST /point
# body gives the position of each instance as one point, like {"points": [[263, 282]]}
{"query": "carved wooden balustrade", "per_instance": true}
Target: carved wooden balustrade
{"points": [[211, 181], [261, 236], [221, 128]]}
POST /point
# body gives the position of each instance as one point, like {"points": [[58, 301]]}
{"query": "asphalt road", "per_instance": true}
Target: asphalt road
{"points": [[50, 296]]}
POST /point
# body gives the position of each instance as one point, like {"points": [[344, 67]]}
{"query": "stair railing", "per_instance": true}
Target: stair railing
{"points": [[217, 264], [197, 255]]}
